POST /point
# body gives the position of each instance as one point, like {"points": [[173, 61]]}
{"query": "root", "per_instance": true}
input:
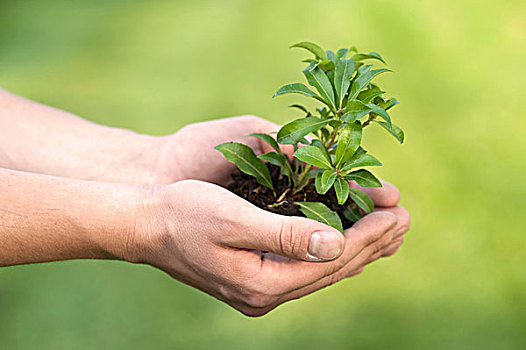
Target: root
{"points": [[283, 195]]}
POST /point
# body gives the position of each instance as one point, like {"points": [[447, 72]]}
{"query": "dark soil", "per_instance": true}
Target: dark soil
{"points": [[248, 188]]}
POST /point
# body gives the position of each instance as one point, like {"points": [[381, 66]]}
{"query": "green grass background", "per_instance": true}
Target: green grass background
{"points": [[153, 66]]}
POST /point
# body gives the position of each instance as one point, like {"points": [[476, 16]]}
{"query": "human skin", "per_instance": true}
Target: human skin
{"points": [[157, 200]]}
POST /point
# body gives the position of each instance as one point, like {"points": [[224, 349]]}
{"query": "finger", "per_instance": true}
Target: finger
{"points": [[404, 220], [282, 295], [354, 267], [293, 237], [385, 196], [393, 248], [363, 236], [327, 281], [357, 272]]}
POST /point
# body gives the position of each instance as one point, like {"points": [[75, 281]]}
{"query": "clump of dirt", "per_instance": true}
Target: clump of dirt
{"points": [[248, 188]]}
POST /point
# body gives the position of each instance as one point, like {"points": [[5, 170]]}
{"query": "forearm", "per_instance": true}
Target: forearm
{"points": [[45, 140], [46, 218]]}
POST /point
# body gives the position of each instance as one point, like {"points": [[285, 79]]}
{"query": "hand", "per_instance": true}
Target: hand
{"points": [[190, 153], [207, 237]]}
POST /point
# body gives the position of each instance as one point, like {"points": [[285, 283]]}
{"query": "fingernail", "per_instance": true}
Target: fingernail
{"points": [[325, 245]]}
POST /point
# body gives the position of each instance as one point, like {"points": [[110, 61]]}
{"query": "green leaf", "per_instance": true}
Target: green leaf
{"points": [[367, 95], [331, 55], [246, 161], [319, 80], [349, 139], [294, 131], [323, 112], [359, 151], [295, 88], [341, 53], [321, 146], [319, 212], [312, 47], [326, 133], [364, 178], [393, 130], [391, 103], [314, 156], [360, 160], [335, 123], [324, 182], [381, 112], [379, 101], [268, 139], [352, 213], [364, 56], [317, 181], [342, 78], [300, 107], [362, 200], [364, 77], [341, 187], [326, 65], [355, 110], [278, 160], [313, 173]]}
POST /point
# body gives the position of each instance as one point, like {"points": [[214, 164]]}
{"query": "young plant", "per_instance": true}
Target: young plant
{"points": [[327, 143]]}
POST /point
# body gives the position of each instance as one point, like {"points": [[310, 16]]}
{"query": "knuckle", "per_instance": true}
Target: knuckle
{"points": [[386, 219], [404, 217], [335, 278], [290, 243], [376, 247], [256, 295], [335, 266], [188, 129], [258, 301], [249, 118], [383, 222]]}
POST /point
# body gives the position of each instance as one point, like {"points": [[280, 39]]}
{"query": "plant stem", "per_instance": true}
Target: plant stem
{"points": [[304, 173], [301, 187], [333, 138], [368, 121], [301, 181]]}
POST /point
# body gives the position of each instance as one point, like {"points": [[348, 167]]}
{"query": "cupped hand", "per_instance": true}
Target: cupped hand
{"points": [[190, 153], [252, 259]]}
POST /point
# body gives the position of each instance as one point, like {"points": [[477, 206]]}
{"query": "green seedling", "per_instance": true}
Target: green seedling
{"points": [[327, 142]]}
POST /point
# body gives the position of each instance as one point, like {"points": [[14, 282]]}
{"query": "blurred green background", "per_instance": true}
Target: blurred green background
{"points": [[459, 280]]}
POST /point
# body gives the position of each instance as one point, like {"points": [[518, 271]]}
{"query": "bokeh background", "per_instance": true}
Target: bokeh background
{"points": [[153, 66]]}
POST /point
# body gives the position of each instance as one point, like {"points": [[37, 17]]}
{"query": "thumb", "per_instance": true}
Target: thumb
{"points": [[290, 236]]}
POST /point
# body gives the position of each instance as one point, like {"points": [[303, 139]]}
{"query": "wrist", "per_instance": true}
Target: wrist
{"points": [[143, 225], [115, 218], [169, 157], [142, 163]]}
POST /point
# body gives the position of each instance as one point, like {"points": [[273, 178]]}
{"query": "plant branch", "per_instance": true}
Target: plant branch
{"points": [[301, 180], [369, 120]]}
